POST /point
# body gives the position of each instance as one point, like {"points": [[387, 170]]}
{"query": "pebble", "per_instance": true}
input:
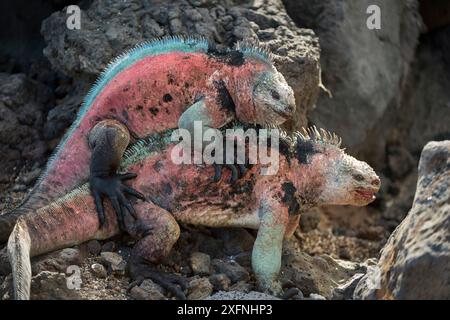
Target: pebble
{"points": [[114, 262], [148, 290], [199, 289], [315, 296], [220, 282], [200, 263], [99, 270]]}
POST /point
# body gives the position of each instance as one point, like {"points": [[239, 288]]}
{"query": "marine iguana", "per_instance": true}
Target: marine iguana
{"points": [[313, 171], [166, 83]]}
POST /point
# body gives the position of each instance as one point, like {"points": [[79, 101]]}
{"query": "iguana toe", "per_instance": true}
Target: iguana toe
{"points": [[172, 283], [237, 171], [113, 188]]}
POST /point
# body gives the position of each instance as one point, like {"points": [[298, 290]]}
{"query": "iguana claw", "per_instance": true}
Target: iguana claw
{"points": [[172, 283], [115, 190], [237, 171]]}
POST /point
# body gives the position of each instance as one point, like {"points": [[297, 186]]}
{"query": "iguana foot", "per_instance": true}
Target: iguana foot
{"points": [[274, 289], [238, 165], [172, 283], [237, 171], [113, 188]]}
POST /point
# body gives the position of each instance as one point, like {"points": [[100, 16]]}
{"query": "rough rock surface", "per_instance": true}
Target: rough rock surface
{"points": [[362, 68], [415, 262], [423, 115], [75, 52], [426, 98], [301, 274], [345, 291], [347, 233], [314, 274], [58, 261], [49, 285], [23, 103]]}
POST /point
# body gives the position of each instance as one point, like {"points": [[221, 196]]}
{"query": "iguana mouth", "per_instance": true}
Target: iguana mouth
{"points": [[284, 114], [367, 195]]}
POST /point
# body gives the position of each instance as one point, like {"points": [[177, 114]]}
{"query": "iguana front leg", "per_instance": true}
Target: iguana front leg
{"points": [[211, 117], [267, 249], [108, 141]]}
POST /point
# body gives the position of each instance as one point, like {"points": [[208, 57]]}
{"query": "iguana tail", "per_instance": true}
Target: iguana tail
{"points": [[33, 201], [19, 246], [68, 221]]}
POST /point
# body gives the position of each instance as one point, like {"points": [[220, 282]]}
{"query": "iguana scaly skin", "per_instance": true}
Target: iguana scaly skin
{"points": [[313, 171], [163, 84]]}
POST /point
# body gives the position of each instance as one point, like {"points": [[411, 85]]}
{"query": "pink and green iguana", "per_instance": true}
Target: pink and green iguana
{"points": [[313, 171], [163, 84]]}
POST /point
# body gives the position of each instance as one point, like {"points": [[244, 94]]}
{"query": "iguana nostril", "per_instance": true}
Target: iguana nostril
{"points": [[376, 182], [290, 108]]}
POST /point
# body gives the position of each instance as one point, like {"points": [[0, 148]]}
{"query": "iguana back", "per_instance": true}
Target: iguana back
{"points": [[147, 89]]}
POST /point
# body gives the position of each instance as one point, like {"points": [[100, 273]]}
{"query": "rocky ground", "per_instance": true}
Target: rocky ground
{"points": [[211, 261], [385, 92]]}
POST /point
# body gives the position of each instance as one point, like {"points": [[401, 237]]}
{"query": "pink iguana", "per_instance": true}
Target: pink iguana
{"points": [[163, 84], [313, 171]]}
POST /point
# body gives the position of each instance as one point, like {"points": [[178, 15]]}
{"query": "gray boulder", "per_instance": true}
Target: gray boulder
{"points": [[363, 69], [415, 262]]}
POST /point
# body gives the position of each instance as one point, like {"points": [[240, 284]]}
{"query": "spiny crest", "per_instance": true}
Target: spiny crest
{"points": [[148, 48], [253, 48], [156, 45], [60, 202], [310, 134], [144, 147], [319, 135]]}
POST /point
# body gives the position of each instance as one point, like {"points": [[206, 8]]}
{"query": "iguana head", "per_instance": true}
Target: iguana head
{"points": [[348, 181], [325, 175], [273, 98], [260, 93]]}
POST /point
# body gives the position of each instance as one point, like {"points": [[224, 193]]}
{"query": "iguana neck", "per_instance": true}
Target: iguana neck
{"points": [[309, 181], [240, 83]]}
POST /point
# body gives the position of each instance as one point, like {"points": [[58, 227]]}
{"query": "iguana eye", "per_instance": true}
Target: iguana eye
{"points": [[275, 95], [358, 177]]}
